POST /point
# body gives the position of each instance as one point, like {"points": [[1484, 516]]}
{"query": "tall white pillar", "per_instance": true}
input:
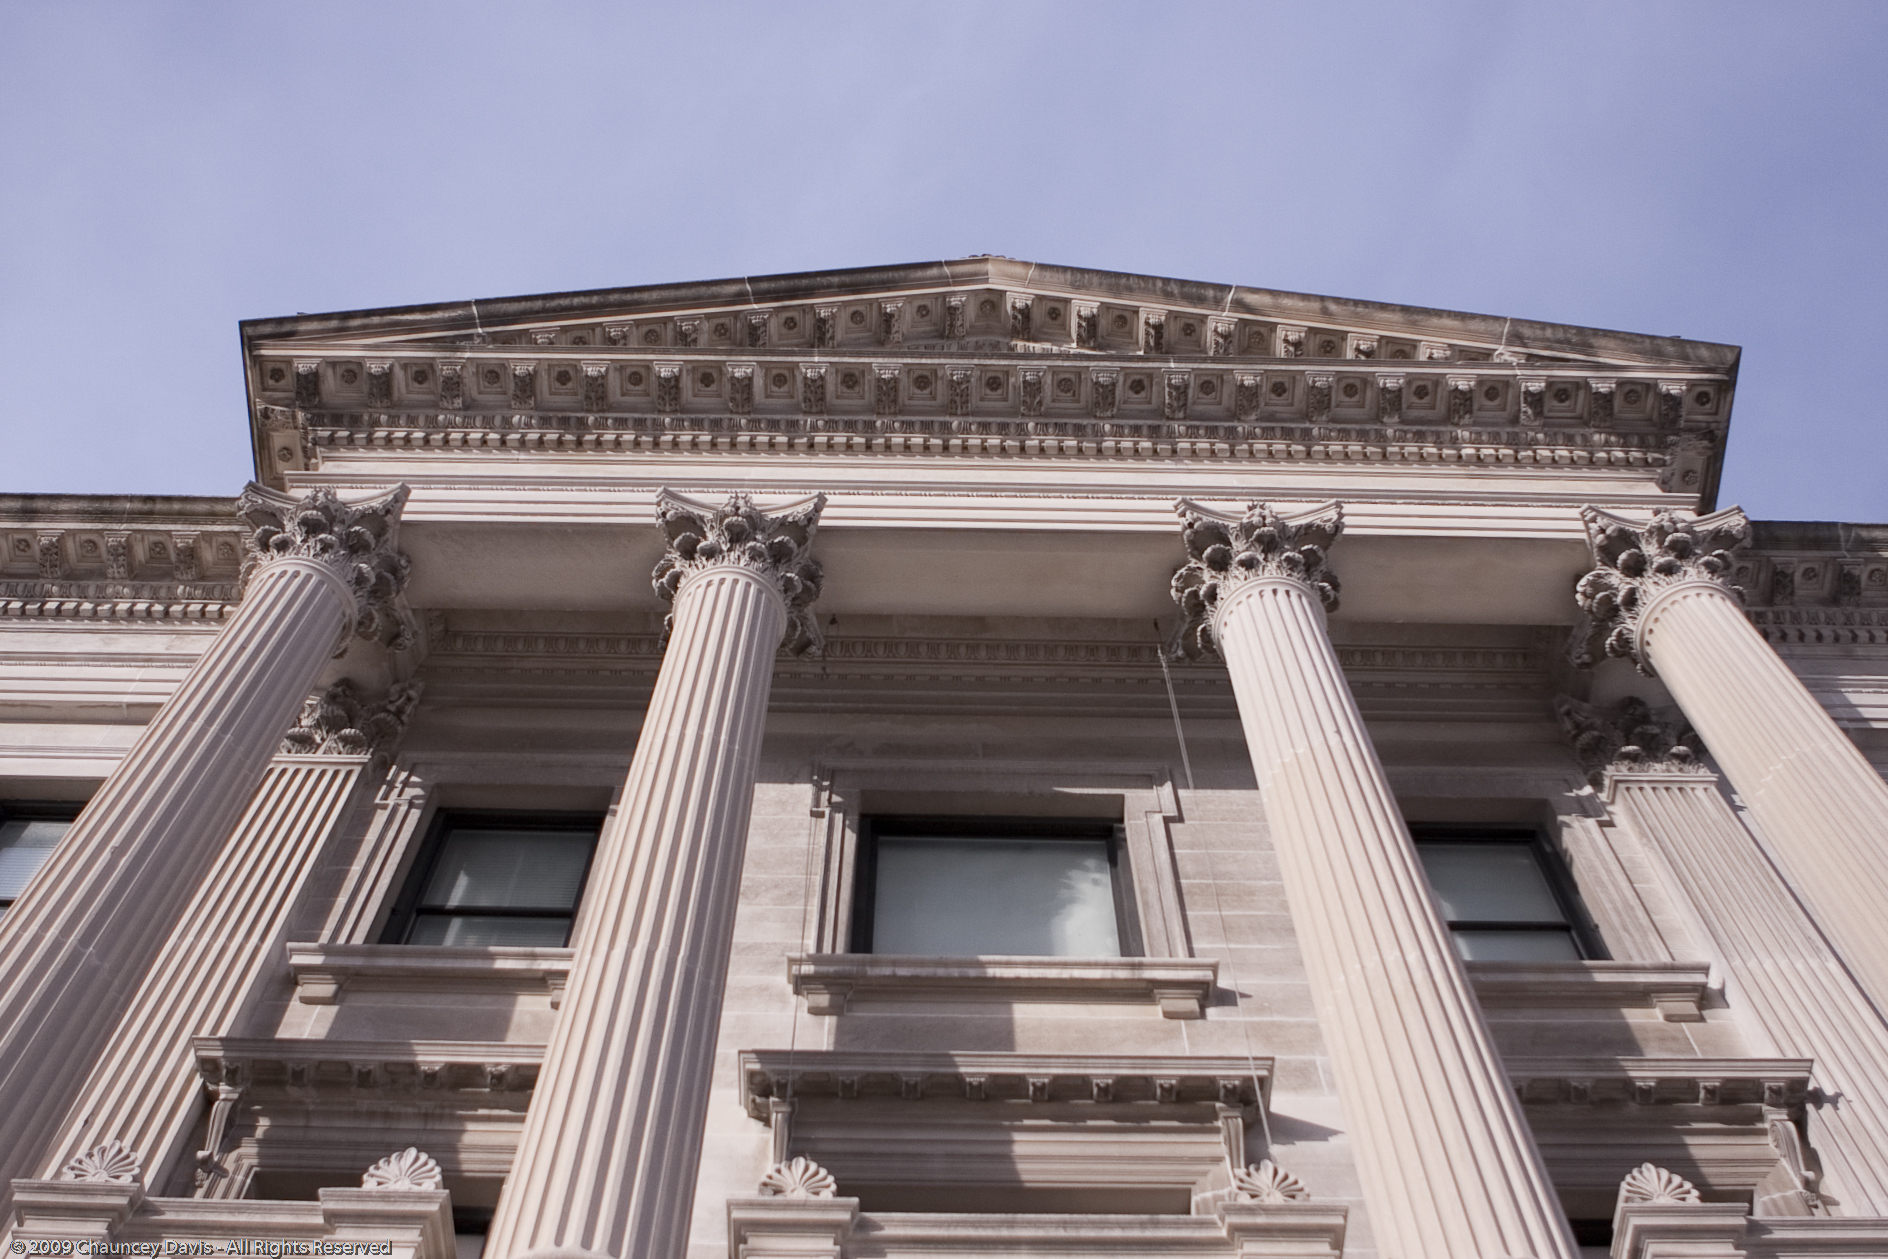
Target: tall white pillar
{"points": [[608, 1157], [76, 946], [145, 1092], [1779, 968], [1449, 1168], [1660, 595]]}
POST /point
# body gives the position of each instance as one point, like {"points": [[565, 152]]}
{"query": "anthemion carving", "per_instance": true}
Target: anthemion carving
{"points": [[354, 541], [1648, 1183], [1636, 561], [107, 1164], [409, 1169], [739, 534], [1266, 1181], [800, 1178], [1226, 551]]}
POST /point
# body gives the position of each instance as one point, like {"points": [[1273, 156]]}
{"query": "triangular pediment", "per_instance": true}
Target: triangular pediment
{"points": [[984, 305]]}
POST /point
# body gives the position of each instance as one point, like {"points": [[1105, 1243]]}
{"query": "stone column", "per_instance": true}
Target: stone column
{"points": [[1779, 967], [1449, 1168], [145, 1092], [607, 1160], [1660, 596], [77, 945]]}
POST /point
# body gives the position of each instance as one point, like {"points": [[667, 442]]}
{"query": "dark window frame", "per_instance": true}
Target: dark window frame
{"points": [[873, 826], [407, 906], [1577, 921], [39, 811]]}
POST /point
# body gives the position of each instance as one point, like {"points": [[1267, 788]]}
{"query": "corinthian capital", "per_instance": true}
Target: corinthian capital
{"points": [[1630, 738], [336, 722], [354, 541], [1225, 551], [1635, 561], [773, 542]]}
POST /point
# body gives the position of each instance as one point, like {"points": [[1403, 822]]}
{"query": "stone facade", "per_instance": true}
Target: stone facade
{"points": [[1281, 603]]}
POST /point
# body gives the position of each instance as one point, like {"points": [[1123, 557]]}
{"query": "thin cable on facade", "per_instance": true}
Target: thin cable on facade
{"points": [[1173, 702]]}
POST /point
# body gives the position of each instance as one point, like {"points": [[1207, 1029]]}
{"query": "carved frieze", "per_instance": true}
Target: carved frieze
{"points": [[1226, 551], [1104, 388], [668, 387], [1021, 310], [452, 384], [891, 323], [885, 386], [1533, 402], [1032, 395], [307, 383], [52, 559], [1154, 333], [353, 540], [1635, 561], [958, 391], [1318, 397], [1174, 399], [1389, 399], [1087, 325], [777, 547]]}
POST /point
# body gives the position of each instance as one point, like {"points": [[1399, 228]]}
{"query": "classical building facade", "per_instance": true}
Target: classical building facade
{"points": [[970, 759]]}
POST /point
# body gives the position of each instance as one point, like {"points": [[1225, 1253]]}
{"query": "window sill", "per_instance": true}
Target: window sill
{"points": [[322, 970], [1676, 989], [1181, 987]]}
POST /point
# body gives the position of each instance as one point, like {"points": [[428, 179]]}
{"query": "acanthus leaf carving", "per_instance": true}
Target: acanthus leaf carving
{"points": [[112, 1163], [1650, 1183], [958, 395], [1226, 551], [1266, 1181], [741, 388], [1634, 561], [956, 322], [356, 541], [335, 722], [773, 543], [1631, 737], [801, 1178], [408, 1170]]}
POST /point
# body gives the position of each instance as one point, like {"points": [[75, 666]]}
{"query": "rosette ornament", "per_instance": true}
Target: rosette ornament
{"points": [[1636, 561], [773, 543], [1226, 551], [355, 541]]}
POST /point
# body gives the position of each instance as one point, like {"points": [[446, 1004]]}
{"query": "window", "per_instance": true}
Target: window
{"points": [[28, 834], [1505, 896], [497, 879], [970, 887]]}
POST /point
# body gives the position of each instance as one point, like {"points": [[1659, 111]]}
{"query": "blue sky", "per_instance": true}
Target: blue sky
{"points": [[1715, 171]]}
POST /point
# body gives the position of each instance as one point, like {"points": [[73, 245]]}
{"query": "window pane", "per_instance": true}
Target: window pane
{"points": [[512, 869], [485, 931], [1517, 946], [1489, 883], [970, 897], [25, 843]]}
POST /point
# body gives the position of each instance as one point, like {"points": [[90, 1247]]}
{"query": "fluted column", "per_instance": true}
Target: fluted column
{"points": [[608, 1157], [76, 947], [1449, 1168], [1660, 596], [145, 1091], [1780, 969]]}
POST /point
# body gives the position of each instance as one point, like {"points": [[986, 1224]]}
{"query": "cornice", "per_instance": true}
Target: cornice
{"points": [[562, 315]]}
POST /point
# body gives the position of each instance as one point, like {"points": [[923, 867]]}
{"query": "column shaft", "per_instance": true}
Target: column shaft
{"points": [[607, 1160], [145, 1091], [1820, 803], [1781, 971], [76, 947], [1449, 1168]]}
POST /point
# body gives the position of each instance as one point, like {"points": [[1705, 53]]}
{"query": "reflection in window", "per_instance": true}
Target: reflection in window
{"points": [[1503, 896], [498, 880], [28, 834], [960, 887]]}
